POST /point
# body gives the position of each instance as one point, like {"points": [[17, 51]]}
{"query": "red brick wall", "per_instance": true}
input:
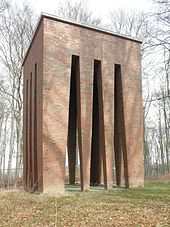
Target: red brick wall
{"points": [[35, 57], [60, 41]]}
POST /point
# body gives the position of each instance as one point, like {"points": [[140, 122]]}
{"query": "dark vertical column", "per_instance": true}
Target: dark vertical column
{"points": [[39, 125], [72, 125], [34, 131], [79, 130], [117, 125], [32, 127], [95, 172], [25, 137], [30, 135], [119, 128]]}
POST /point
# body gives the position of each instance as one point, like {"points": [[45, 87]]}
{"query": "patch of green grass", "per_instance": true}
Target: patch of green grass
{"points": [[157, 185], [149, 206]]}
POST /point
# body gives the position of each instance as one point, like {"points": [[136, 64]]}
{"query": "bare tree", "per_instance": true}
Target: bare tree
{"points": [[77, 11], [17, 29], [137, 24], [161, 40], [4, 115], [129, 23], [163, 11], [3, 5], [161, 16]]}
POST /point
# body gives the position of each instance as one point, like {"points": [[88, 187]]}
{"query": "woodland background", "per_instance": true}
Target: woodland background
{"points": [[17, 26]]}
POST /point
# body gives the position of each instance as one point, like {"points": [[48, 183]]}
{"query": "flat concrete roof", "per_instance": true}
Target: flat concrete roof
{"points": [[90, 27]]}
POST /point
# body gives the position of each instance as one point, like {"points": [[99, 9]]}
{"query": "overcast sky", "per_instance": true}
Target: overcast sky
{"points": [[98, 7]]}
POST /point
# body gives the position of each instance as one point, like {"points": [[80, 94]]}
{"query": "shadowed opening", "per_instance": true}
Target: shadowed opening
{"points": [[35, 186], [30, 182], [26, 136], [73, 165], [96, 145], [119, 129]]}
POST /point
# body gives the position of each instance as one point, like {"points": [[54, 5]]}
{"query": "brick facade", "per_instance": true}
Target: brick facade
{"points": [[84, 84]]}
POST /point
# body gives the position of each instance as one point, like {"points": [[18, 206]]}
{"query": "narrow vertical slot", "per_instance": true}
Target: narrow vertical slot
{"points": [[117, 124], [30, 133], [95, 149], [98, 146], [119, 130], [79, 138], [35, 131], [26, 136], [72, 123]]}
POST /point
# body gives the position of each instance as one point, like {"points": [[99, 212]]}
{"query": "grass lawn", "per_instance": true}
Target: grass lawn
{"points": [[134, 207]]}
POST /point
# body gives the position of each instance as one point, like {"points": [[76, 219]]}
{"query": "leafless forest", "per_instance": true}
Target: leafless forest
{"points": [[17, 25]]}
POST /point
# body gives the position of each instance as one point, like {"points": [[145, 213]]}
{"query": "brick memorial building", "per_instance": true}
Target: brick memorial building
{"points": [[82, 92]]}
